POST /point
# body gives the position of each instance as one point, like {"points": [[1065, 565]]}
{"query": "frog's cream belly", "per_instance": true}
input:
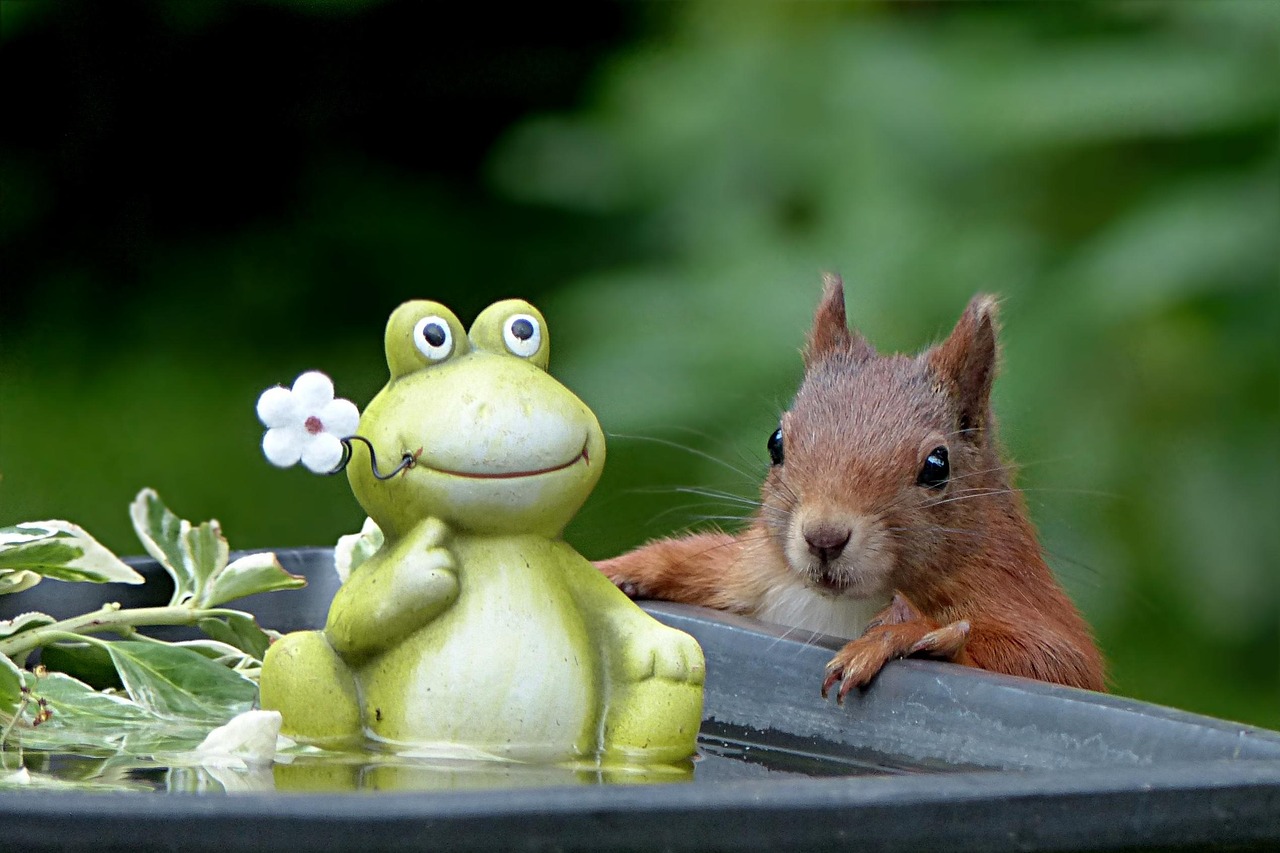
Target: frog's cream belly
{"points": [[513, 645]]}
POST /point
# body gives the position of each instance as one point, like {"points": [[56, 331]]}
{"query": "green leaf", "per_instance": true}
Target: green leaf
{"points": [[62, 551], [205, 551], [83, 721], [249, 575], [177, 682], [11, 581], [222, 653], [241, 631], [88, 722], [352, 550], [190, 554], [162, 534], [88, 662], [78, 705], [24, 622]]}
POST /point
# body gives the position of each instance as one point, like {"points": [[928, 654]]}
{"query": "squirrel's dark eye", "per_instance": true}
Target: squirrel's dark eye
{"points": [[936, 469], [775, 446]]}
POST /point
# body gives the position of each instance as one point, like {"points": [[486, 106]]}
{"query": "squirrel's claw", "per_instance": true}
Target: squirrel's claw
{"points": [[630, 589], [861, 660], [616, 571]]}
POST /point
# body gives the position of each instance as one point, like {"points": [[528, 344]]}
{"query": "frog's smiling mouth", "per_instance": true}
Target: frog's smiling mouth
{"points": [[583, 457]]}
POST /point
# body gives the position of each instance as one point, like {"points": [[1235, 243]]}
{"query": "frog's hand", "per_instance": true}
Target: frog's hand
{"points": [[659, 651], [399, 590]]}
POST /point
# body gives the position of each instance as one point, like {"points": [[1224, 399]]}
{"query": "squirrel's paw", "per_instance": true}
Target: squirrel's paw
{"points": [[900, 610], [665, 653], [861, 660], [616, 571]]}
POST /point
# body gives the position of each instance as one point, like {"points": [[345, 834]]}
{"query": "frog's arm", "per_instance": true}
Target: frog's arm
{"points": [[603, 605], [396, 592], [639, 646]]}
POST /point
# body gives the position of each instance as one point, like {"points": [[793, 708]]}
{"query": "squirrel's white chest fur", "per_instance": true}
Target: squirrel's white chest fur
{"points": [[797, 605]]}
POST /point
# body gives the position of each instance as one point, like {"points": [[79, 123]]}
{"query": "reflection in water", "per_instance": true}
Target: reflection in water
{"points": [[725, 753], [315, 773]]}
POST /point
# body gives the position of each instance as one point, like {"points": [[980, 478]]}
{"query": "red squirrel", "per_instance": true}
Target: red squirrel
{"points": [[887, 515]]}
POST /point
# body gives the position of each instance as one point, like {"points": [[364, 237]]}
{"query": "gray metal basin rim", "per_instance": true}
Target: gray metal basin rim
{"points": [[1025, 765]]}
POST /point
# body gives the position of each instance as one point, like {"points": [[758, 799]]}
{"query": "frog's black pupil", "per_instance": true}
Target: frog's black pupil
{"points": [[522, 329], [936, 469], [434, 334], [775, 446]]}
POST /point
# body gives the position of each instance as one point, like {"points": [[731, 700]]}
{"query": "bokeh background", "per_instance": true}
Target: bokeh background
{"points": [[204, 198]]}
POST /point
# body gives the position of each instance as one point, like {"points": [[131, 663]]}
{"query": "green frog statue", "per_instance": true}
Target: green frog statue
{"points": [[474, 628]]}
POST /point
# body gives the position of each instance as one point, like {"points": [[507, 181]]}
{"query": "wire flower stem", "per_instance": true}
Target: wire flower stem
{"points": [[407, 461]]}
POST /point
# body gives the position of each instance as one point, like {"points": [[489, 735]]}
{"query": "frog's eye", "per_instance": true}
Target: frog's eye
{"points": [[522, 334], [433, 337]]}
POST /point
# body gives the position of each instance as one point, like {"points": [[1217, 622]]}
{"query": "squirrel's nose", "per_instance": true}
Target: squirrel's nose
{"points": [[826, 542]]}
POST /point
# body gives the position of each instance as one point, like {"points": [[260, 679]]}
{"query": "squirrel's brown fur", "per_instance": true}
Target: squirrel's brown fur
{"points": [[853, 538]]}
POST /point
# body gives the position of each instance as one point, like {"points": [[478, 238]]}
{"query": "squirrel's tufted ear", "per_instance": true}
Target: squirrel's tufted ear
{"points": [[966, 360], [830, 333]]}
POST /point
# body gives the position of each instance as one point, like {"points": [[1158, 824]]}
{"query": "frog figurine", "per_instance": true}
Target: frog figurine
{"points": [[475, 629]]}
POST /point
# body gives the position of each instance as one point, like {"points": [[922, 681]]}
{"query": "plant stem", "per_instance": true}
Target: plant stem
{"points": [[23, 701], [109, 618]]}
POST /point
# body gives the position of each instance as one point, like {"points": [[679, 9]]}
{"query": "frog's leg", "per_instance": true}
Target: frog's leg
{"points": [[304, 679], [653, 674]]}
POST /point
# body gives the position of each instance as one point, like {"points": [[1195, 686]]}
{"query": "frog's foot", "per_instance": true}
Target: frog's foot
{"points": [[304, 679], [655, 711]]}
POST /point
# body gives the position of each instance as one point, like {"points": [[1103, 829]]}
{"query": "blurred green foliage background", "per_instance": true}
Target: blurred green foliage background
{"points": [[205, 198]]}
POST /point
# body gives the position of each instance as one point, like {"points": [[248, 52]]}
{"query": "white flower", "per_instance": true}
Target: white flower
{"points": [[306, 423], [249, 740]]}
